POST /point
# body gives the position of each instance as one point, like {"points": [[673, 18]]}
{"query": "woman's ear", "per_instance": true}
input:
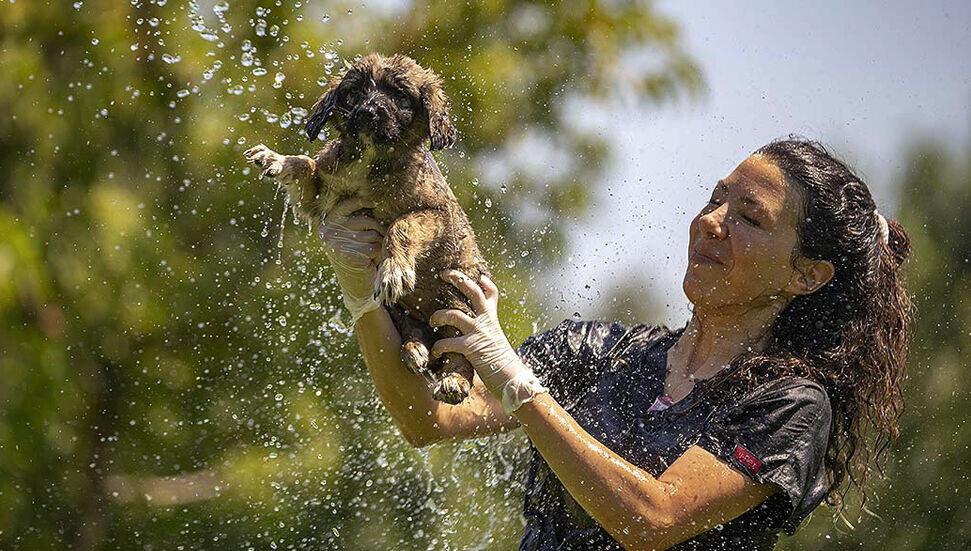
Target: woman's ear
{"points": [[809, 276], [321, 111], [440, 128]]}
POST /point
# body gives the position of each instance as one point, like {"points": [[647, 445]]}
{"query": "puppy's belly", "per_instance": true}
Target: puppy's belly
{"points": [[350, 181], [432, 293]]}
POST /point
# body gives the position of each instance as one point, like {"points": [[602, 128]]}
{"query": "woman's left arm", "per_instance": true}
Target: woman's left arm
{"points": [[697, 492]]}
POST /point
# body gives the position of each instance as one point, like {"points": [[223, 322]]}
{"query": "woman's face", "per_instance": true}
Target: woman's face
{"points": [[741, 243]]}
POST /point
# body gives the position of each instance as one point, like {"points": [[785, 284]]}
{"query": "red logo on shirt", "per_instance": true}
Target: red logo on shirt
{"points": [[752, 463]]}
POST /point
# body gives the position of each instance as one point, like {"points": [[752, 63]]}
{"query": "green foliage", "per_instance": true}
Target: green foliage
{"points": [[170, 375]]}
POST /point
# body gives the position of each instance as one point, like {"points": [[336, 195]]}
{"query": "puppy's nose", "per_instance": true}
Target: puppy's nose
{"points": [[369, 113], [364, 115]]}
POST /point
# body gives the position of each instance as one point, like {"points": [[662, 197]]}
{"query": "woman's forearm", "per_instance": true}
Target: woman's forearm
{"points": [[407, 395], [625, 500]]}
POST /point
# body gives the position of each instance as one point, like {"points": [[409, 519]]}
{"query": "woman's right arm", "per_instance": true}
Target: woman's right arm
{"points": [[408, 396]]}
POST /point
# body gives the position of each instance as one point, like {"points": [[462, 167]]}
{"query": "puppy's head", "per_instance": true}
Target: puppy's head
{"points": [[385, 100]]}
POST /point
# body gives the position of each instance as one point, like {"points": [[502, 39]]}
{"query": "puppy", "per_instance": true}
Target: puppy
{"points": [[384, 110]]}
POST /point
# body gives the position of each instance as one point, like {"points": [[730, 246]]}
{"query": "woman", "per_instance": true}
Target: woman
{"points": [[724, 432]]}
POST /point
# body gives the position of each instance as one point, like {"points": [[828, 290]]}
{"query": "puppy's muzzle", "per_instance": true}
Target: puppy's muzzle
{"points": [[365, 117]]}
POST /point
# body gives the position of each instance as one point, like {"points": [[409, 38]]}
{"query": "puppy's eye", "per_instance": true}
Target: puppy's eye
{"points": [[352, 95], [402, 100]]}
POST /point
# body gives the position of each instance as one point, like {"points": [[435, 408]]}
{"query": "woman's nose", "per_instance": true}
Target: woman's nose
{"points": [[713, 223]]}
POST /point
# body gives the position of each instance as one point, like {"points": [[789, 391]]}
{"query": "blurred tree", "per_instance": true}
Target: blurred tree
{"points": [[175, 374], [925, 501]]}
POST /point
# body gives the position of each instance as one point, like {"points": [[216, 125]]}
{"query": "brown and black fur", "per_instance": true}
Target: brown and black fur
{"points": [[384, 110]]}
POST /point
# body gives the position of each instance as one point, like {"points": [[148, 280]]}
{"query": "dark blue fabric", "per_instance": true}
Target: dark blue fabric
{"points": [[607, 375]]}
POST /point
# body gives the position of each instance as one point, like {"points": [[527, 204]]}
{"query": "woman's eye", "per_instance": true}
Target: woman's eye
{"points": [[752, 221]]}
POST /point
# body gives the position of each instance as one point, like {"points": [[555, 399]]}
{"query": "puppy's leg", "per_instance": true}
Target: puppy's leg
{"points": [[416, 336], [285, 169], [297, 173], [454, 372], [407, 238]]}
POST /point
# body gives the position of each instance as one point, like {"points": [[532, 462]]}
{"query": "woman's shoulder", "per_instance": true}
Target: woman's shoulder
{"points": [[791, 404], [791, 389]]}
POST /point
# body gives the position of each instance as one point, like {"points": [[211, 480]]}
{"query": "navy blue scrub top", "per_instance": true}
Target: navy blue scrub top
{"points": [[607, 376]]}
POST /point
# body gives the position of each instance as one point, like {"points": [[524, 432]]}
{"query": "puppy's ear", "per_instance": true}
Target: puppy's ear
{"points": [[440, 128], [321, 111]]}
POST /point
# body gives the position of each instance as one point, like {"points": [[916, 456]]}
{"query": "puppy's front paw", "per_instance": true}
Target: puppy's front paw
{"points": [[393, 282], [270, 161]]}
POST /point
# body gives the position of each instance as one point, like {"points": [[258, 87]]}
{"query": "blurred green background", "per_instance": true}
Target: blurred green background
{"points": [[175, 368]]}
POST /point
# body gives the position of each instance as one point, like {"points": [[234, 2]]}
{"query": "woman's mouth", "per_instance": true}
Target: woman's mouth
{"points": [[702, 258]]}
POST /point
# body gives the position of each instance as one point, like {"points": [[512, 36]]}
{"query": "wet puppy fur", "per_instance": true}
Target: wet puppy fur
{"points": [[384, 110]]}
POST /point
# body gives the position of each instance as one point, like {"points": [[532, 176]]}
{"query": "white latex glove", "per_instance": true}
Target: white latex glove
{"points": [[353, 246], [485, 345]]}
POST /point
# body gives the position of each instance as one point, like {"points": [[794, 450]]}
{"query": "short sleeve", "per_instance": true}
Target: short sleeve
{"points": [[778, 434], [568, 358]]}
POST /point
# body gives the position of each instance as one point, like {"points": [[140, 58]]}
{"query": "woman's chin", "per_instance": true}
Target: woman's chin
{"points": [[698, 291]]}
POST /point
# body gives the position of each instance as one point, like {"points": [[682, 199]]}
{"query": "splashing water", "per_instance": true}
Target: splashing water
{"points": [[283, 226]]}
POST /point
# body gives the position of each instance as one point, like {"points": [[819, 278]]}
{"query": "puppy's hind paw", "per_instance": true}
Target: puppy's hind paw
{"points": [[452, 389], [414, 354], [393, 282]]}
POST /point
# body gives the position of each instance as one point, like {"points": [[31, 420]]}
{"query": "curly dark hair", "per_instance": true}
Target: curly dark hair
{"points": [[851, 334]]}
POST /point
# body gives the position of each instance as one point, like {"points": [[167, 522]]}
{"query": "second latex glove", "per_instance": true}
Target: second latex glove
{"points": [[485, 345], [353, 246]]}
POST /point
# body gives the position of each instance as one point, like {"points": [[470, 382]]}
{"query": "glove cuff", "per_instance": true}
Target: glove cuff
{"points": [[522, 388], [359, 306]]}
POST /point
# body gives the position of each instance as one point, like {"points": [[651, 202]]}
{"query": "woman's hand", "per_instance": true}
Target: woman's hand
{"points": [[353, 246], [485, 345]]}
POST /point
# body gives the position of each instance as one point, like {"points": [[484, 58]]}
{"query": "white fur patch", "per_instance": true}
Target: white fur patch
{"points": [[393, 282]]}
